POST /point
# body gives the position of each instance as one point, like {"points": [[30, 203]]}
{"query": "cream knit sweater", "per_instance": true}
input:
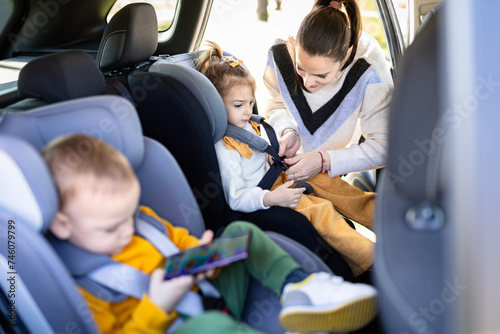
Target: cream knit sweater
{"points": [[347, 108]]}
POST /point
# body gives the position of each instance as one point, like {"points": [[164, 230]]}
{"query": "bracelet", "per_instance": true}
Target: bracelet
{"points": [[323, 162]]}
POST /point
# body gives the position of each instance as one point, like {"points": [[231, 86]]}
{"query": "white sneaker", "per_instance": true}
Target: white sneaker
{"points": [[324, 302]]}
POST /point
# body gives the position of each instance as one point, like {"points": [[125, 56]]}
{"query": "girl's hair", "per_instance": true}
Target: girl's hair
{"points": [[222, 71], [329, 32], [84, 163]]}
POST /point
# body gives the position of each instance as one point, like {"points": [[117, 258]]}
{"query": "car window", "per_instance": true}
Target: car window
{"points": [[165, 11], [401, 9], [237, 27]]}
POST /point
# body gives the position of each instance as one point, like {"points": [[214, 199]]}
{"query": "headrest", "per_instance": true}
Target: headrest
{"points": [[60, 77], [108, 117], [202, 89], [130, 37], [28, 194]]}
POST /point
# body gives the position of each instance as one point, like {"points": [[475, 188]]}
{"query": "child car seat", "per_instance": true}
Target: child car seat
{"points": [[38, 293], [164, 187]]}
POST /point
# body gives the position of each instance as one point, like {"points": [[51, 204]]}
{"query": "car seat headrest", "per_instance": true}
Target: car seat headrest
{"points": [[59, 77], [28, 194], [107, 117], [130, 37], [202, 89]]}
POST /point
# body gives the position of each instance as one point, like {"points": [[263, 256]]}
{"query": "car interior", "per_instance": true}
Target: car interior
{"points": [[136, 88]]}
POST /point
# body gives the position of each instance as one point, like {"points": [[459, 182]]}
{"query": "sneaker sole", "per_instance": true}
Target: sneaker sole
{"points": [[349, 317]]}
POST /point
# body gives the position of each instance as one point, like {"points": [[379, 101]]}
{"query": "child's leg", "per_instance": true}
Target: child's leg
{"points": [[350, 201], [267, 262], [354, 247], [215, 322]]}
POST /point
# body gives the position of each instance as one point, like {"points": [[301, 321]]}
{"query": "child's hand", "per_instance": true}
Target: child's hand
{"points": [[167, 293], [206, 237], [284, 196]]}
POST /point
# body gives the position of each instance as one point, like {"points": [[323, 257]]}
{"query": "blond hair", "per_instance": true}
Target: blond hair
{"points": [[218, 69], [80, 162]]}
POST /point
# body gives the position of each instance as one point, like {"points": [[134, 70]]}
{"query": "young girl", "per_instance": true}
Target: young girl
{"points": [[328, 86], [242, 169]]}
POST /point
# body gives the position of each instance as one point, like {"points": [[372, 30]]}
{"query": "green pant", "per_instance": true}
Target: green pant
{"points": [[267, 262]]}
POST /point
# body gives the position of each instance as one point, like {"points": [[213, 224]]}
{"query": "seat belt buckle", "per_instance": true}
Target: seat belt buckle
{"points": [[281, 163]]}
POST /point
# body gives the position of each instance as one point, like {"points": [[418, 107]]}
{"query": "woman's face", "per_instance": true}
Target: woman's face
{"points": [[316, 71]]}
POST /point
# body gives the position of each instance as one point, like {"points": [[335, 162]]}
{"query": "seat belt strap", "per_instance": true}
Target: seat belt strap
{"points": [[122, 278], [278, 165], [261, 145], [152, 234]]}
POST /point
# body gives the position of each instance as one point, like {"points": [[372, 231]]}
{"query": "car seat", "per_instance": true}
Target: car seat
{"points": [[164, 187], [38, 293], [410, 223]]}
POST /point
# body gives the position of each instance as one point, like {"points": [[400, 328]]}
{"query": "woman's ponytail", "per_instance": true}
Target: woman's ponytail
{"points": [[330, 29], [355, 20]]}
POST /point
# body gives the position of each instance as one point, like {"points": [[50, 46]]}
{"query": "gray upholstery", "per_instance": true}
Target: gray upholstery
{"points": [[130, 37], [114, 120], [28, 203], [410, 257], [27, 193], [61, 76]]}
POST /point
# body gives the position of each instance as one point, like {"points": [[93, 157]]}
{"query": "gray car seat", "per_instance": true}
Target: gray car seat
{"points": [[410, 223], [38, 293], [164, 187]]}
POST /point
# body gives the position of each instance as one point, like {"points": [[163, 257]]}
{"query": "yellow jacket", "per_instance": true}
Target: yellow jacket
{"points": [[133, 315]]}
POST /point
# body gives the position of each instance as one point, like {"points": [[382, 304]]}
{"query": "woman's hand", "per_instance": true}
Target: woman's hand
{"points": [[284, 196], [289, 144], [303, 166]]}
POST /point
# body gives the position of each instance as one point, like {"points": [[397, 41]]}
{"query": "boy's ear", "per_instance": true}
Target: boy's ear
{"points": [[60, 226]]}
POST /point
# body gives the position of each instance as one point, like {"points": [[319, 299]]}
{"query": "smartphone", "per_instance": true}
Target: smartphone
{"points": [[219, 253]]}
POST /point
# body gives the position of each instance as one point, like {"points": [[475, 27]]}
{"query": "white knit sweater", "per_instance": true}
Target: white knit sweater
{"points": [[240, 177], [362, 110]]}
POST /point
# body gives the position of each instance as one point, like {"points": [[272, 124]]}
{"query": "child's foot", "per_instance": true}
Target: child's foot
{"points": [[323, 302]]}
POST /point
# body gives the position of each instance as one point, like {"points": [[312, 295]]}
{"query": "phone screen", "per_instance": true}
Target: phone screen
{"points": [[220, 252]]}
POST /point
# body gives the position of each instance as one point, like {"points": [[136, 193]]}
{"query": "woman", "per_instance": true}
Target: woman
{"points": [[328, 86]]}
